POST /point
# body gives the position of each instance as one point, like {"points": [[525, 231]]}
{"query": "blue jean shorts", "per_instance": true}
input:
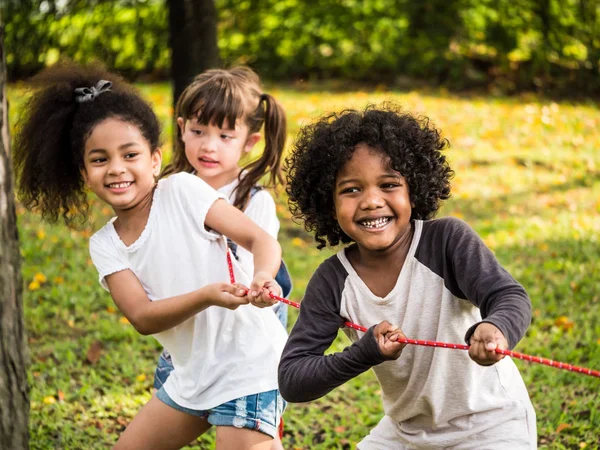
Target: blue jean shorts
{"points": [[261, 412]]}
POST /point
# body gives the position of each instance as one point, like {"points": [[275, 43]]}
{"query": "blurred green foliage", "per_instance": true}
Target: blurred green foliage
{"points": [[550, 45]]}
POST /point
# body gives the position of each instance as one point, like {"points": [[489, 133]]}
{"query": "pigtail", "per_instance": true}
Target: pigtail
{"points": [[46, 165], [270, 160]]}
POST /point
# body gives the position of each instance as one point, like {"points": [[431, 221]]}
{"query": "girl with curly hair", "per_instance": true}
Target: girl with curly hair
{"points": [[374, 180], [162, 258]]}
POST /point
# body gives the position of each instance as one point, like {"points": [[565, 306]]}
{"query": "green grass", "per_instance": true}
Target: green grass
{"points": [[527, 179]]}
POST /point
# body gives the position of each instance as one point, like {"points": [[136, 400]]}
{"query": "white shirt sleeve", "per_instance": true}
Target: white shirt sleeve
{"points": [[106, 257], [261, 209], [196, 198]]}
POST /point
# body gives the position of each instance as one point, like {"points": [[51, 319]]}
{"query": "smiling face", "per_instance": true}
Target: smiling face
{"points": [[119, 165], [214, 152], [372, 202]]}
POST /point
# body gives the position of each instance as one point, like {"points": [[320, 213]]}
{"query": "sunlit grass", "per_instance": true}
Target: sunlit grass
{"points": [[527, 179]]}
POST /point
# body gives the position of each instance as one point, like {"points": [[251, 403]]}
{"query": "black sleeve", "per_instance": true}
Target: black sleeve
{"points": [[305, 372], [471, 271]]}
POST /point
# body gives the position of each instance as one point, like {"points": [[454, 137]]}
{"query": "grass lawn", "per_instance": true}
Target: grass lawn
{"points": [[527, 179]]}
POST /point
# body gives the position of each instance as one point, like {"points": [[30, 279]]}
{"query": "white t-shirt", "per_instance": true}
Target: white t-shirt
{"points": [[219, 355], [261, 209]]}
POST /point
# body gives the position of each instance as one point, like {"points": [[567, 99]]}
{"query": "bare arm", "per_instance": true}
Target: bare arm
{"points": [[150, 317], [231, 222]]}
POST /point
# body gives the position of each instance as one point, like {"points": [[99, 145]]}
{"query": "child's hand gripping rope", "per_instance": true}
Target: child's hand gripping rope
{"points": [[402, 339]]}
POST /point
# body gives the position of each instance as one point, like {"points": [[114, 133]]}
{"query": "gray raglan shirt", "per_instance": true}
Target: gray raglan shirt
{"points": [[449, 282]]}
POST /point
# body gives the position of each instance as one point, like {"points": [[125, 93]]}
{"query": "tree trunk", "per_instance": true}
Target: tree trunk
{"points": [[14, 398], [193, 40]]}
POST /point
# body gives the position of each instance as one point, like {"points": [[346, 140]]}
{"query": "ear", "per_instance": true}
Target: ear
{"points": [[156, 161], [251, 142], [181, 124], [84, 175]]}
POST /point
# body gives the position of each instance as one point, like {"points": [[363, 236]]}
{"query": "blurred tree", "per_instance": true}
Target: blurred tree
{"points": [[14, 396], [193, 40]]}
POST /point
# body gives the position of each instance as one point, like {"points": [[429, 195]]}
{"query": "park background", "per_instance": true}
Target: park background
{"points": [[512, 84]]}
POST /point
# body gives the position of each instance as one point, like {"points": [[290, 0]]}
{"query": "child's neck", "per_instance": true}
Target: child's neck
{"points": [[130, 223], [380, 270], [219, 181]]}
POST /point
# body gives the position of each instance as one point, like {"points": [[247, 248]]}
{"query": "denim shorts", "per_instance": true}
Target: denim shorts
{"points": [[261, 412]]}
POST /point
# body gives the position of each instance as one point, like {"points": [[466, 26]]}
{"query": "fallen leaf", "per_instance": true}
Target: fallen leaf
{"points": [[122, 421], [564, 323], [61, 396], [49, 400], [339, 429], [562, 426], [93, 353], [40, 278]]}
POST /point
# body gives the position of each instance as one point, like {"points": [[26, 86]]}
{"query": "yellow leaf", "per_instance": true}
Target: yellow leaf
{"points": [[297, 242], [40, 277], [41, 234], [562, 426], [110, 309], [124, 320], [49, 400], [34, 286], [71, 323], [564, 323], [141, 377]]}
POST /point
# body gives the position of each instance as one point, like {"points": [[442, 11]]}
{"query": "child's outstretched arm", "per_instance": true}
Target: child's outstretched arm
{"points": [[478, 276], [305, 372], [231, 222], [150, 317]]}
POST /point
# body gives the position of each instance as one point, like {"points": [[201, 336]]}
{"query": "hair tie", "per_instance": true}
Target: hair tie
{"points": [[87, 94]]}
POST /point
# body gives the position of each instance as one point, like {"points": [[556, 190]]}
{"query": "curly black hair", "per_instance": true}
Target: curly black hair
{"points": [[52, 130], [321, 149]]}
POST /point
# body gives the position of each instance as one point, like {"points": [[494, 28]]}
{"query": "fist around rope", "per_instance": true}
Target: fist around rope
{"points": [[225, 295], [262, 286], [387, 336], [484, 342]]}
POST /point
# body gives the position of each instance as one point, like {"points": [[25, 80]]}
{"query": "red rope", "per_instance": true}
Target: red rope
{"points": [[522, 356]]}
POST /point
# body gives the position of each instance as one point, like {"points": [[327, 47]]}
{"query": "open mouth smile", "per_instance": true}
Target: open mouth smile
{"points": [[375, 224], [121, 185]]}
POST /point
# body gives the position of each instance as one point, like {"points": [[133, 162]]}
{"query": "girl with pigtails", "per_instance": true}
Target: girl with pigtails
{"points": [[219, 118], [162, 258]]}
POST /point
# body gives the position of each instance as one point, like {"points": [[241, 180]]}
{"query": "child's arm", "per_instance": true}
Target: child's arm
{"points": [[475, 274], [150, 317], [231, 222], [305, 372]]}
